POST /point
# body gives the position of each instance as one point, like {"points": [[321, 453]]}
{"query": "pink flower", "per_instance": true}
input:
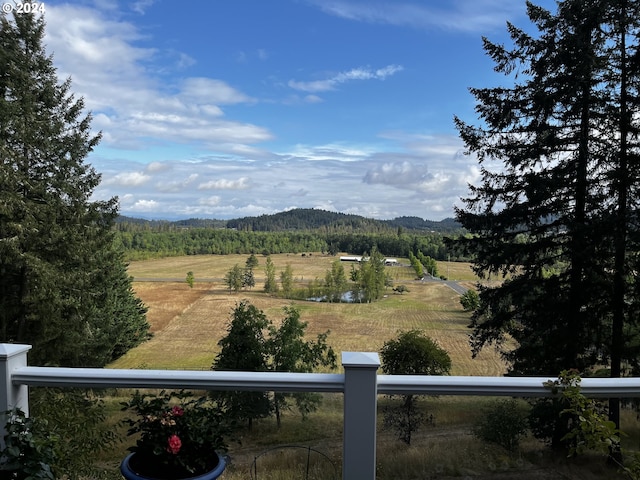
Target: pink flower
{"points": [[174, 444], [177, 411]]}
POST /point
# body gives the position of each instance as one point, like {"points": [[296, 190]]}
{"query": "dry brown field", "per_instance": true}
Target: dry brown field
{"points": [[188, 323]]}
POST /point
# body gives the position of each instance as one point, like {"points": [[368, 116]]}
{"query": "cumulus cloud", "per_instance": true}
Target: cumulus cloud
{"points": [[212, 201], [363, 73], [398, 173], [120, 84], [177, 185], [145, 206], [411, 174], [128, 179]]}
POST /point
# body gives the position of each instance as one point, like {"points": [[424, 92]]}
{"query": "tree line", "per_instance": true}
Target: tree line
{"points": [[365, 284], [300, 219], [143, 243]]}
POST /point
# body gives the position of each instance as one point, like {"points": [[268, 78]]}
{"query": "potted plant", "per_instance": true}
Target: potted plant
{"points": [[180, 437]]}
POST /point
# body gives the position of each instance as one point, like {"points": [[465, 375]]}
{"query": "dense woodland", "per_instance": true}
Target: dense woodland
{"points": [[295, 231]]}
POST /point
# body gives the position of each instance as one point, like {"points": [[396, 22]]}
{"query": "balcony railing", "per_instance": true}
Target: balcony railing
{"points": [[360, 385]]}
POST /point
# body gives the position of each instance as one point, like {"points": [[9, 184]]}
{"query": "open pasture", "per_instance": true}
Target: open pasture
{"points": [[188, 323]]}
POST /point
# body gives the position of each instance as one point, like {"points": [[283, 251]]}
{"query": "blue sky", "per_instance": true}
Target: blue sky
{"points": [[232, 108]]}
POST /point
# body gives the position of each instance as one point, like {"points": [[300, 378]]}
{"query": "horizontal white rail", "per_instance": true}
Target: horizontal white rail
{"points": [[177, 379], [502, 386], [311, 382], [360, 385]]}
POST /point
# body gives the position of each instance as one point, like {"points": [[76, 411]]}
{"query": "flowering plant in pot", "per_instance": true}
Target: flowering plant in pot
{"points": [[180, 436]]}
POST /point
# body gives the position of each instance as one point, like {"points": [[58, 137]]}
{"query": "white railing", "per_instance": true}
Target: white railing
{"points": [[360, 385]]}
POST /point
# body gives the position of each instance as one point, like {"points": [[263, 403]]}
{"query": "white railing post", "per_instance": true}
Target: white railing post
{"points": [[360, 409], [12, 357]]}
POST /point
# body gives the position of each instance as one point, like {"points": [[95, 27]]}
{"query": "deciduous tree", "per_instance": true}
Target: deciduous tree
{"points": [[247, 348], [270, 284], [290, 352], [411, 353], [372, 277], [233, 279], [286, 280], [335, 282]]}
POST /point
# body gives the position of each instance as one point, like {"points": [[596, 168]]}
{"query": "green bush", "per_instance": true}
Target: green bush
{"points": [[503, 422], [28, 451], [76, 418]]}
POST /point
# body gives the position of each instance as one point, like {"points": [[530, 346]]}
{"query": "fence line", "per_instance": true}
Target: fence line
{"points": [[359, 383]]}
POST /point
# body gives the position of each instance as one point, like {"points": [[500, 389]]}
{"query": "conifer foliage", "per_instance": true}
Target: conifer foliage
{"points": [[556, 207], [63, 287]]}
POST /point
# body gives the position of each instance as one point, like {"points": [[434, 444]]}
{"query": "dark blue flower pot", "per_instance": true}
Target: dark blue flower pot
{"points": [[131, 473]]}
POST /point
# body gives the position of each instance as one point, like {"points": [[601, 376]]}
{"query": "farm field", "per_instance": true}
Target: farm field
{"points": [[188, 323]]}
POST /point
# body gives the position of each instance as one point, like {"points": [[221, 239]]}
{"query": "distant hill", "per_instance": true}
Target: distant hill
{"points": [[417, 223], [306, 219]]}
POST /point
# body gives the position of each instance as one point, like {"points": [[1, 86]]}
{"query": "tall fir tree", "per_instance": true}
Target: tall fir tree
{"points": [[555, 209], [63, 287]]}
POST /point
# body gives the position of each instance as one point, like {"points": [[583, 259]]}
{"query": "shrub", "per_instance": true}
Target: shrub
{"points": [[470, 300], [28, 451], [503, 423]]}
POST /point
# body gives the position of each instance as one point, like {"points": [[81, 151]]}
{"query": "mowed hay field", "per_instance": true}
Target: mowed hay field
{"points": [[188, 322]]}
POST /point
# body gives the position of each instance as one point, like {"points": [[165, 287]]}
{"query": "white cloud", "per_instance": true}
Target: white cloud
{"points": [[363, 73], [461, 15], [212, 201], [128, 179], [120, 84], [145, 206], [222, 184], [408, 174], [211, 90], [177, 185], [140, 6]]}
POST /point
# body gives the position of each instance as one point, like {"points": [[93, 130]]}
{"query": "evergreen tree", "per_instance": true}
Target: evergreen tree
{"points": [[63, 287], [252, 262], [555, 210], [244, 350]]}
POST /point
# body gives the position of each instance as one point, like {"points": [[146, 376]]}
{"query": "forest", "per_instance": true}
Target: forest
{"points": [[295, 231]]}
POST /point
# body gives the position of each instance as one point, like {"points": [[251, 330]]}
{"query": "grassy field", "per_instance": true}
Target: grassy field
{"points": [[188, 323]]}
